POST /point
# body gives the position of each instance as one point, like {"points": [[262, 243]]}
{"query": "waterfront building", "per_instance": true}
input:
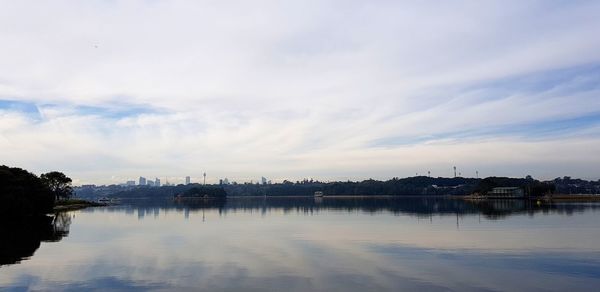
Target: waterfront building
{"points": [[506, 192]]}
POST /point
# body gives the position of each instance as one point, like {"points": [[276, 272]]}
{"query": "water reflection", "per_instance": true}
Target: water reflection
{"points": [[415, 206], [21, 237], [307, 244]]}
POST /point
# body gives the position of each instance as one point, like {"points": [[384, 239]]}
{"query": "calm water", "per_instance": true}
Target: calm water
{"points": [[303, 244]]}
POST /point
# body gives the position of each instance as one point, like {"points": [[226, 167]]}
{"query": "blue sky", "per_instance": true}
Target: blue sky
{"points": [[107, 91]]}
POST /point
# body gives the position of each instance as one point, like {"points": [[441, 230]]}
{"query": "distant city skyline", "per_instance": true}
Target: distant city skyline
{"points": [[263, 180], [106, 91]]}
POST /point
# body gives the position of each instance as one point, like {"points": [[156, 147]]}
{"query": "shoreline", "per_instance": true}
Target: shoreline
{"points": [[72, 205], [578, 198], [347, 196]]}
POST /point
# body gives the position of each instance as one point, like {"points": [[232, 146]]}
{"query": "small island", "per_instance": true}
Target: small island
{"points": [[202, 192]]}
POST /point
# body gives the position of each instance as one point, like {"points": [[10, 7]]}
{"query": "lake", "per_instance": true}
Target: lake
{"points": [[307, 244]]}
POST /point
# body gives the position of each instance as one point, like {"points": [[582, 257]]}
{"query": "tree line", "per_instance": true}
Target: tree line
{"points": [[410, 186], [191, 190], [418, 185]]}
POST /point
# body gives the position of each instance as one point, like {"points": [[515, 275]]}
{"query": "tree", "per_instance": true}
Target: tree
{"points": [[58, 183], [23, 193]]}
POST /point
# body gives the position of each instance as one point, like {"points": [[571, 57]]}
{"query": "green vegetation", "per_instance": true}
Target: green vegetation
{"points": [[75, 204], [530, 186], [410, 186], [23, 193], [71, 202], [58, 183], [205, 192], [196, 190]]}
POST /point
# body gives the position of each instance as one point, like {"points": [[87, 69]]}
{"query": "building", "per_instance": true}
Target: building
{"points": [[130, 183], [506, 192], [187, 180], [142, 181], [150, 183], [157, 182], [263, 180]]}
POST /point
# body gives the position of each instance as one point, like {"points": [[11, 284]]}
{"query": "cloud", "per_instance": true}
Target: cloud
{"points": [[328, 89]]}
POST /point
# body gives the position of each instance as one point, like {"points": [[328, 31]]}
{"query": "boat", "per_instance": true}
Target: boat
{"points": [[318, 194], [104, 200]]}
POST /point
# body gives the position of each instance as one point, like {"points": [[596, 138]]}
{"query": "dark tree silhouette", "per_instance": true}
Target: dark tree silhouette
{"points": [[204, 191], [23, 193], [58, 183]]}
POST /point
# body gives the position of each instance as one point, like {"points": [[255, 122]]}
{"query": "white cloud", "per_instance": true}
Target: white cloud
{"points": [[294, 89]]}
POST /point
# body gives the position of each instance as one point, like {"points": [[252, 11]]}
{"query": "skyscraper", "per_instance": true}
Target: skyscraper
{"points": [[157, 182], [142, 181], [187, 180]]}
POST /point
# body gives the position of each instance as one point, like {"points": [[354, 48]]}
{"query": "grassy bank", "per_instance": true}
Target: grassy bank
{"points": [[75, 204]]}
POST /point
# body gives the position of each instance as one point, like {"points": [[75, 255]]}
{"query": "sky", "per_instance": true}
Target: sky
{"points": [[107, 91]]}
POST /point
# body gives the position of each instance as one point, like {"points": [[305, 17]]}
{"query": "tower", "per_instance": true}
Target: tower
{"points": [[204, 178], [454, 171]]}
